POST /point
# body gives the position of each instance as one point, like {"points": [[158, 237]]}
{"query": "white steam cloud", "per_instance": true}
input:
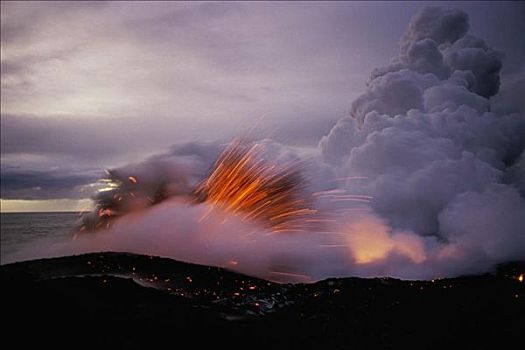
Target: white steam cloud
{"points": [[438, 163], [445, 171]]}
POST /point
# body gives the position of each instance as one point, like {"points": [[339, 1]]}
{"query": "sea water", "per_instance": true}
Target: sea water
{"points": [[18, 230]]}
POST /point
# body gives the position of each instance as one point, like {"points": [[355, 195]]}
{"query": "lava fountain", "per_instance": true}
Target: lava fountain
{"points": [[243, 182]]}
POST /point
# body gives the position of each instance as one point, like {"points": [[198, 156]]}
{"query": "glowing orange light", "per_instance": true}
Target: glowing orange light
{"points": [[104, 212], [132, 179], [242, 182], [371, 241], [520, 278]]}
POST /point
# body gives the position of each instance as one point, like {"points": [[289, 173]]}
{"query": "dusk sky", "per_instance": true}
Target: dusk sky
{"points": [[90, 86]]}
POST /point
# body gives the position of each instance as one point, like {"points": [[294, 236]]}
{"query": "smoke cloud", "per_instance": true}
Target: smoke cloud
{"points": [[424, 179]]}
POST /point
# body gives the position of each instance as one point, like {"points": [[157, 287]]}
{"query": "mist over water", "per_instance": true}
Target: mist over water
{"points": [[424, 179]]}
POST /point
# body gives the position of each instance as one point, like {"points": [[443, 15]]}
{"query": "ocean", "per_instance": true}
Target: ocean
{"points": [[18, 230]]}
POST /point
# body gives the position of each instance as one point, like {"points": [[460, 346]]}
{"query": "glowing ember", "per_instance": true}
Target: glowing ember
{"points": [[242, 182]]}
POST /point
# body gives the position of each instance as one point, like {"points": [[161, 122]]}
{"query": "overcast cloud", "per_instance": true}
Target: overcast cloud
{"points": [[87, 86]]}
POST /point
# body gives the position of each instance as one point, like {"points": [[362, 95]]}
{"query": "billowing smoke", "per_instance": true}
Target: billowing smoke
{"points": [[424, 179], [142, 185]]}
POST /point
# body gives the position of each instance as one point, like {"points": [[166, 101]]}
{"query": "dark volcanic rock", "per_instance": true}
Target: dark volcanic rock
{"points": [[110, 300]]}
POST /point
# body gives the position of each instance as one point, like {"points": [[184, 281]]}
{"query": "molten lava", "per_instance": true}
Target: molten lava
{"points": [[243, 182]]}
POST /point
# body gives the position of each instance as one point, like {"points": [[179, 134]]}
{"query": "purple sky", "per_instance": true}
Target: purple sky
{"points": [[87, 86]]}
